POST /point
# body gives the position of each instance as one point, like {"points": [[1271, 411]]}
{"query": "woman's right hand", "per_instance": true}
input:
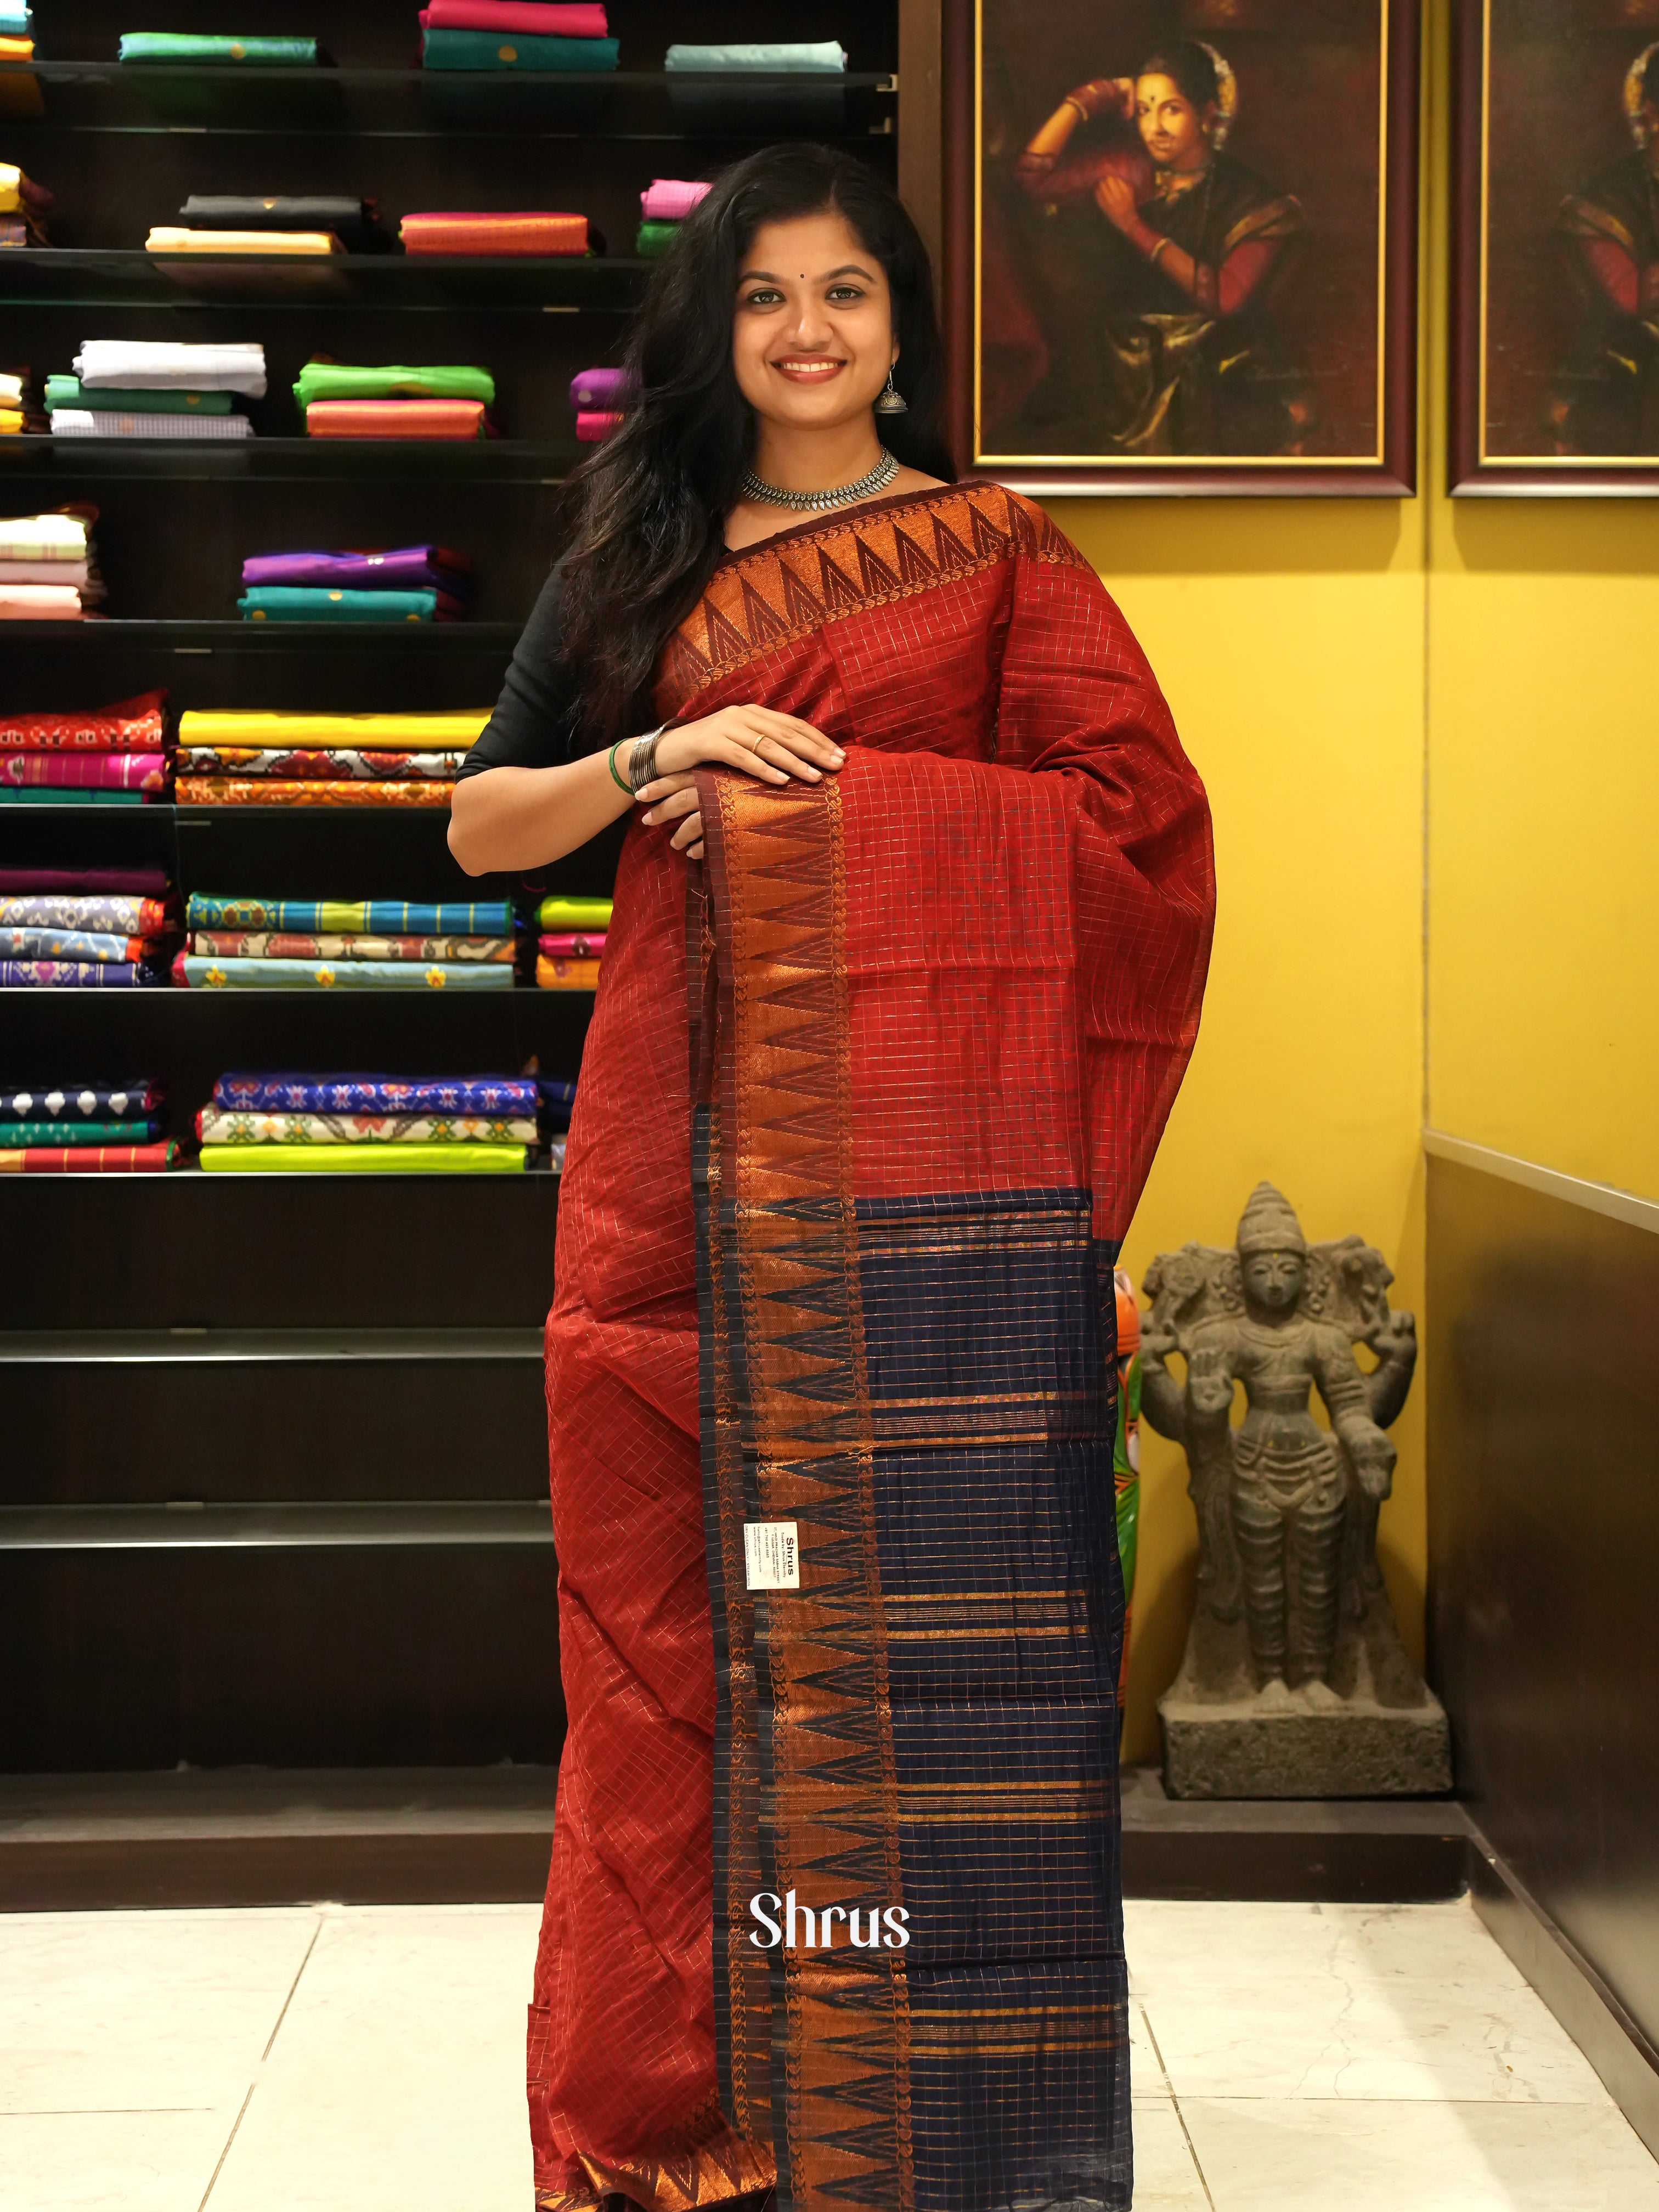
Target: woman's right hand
{"points": [[755, 740]]}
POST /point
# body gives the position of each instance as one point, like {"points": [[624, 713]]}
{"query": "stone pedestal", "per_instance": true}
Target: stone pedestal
{"points": [[1283, 1746]]}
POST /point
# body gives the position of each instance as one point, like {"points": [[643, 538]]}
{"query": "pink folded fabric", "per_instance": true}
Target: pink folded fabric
{"points": [[86, 771], [537, 17], [592, 429], [476, 232], [670, 199], [572, 943], [39, 603], [44, 572]]}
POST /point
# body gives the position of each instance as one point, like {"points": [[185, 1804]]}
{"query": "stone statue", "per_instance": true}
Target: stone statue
{"points": [[1295, 1683]]}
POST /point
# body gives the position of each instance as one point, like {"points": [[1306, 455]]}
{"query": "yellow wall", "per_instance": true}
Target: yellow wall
{"points": [[1429, 731]]}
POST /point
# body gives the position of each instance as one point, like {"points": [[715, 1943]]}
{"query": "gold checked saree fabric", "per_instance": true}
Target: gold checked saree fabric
{"points": [[866, 1106]]}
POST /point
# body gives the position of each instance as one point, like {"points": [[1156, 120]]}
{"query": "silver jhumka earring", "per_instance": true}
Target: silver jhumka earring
{"points": [[892, 402]]}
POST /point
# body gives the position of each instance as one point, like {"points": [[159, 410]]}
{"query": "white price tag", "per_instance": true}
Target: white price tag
{"points": [[771, 1556]]}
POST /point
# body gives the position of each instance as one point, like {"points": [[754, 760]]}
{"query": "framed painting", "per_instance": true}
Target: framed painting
{"points": [[1555, 247], [1181, 244]]}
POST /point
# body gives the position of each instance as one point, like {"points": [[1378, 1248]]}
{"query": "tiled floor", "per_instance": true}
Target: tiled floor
{"points": [[1287, 2058]]}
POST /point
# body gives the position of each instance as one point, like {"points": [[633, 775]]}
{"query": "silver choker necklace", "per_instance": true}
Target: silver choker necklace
{"points": [[806, 502]]}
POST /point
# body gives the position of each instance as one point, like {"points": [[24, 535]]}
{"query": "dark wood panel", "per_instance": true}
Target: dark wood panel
{"points": [[1544, 1551]]}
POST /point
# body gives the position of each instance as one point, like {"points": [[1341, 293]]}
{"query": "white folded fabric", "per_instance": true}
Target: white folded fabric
{"points": [[110, 423], [140, 365], [11, 391], [43, 538], [39, 603], [821, 55], [75, 572]]}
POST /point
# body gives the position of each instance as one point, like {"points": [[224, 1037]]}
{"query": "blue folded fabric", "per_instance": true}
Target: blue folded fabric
{"points": [[316, 603], [376, 1094], [514, 50], [370, 917]]}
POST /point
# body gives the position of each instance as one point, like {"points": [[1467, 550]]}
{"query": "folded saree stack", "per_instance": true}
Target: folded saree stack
{"points": [[115, 755], [16, 33], [409, 584], [345, 945], [84, 1128], [528, 232], [18, 410], [128, 388], [600, 397], [64, 929], [571, 944], [663, 205], [806, 87], [245, 757], [339, 400], [49, 566], [186, 46], [23, 204], [355, 222], [370, 1124], [515, 34]]}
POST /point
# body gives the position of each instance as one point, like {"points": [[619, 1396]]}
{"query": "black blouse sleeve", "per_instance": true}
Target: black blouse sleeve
{"points": [[535, 717]]}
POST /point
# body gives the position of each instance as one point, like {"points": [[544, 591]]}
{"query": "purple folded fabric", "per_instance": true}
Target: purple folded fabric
{"points": [[670, 199], [600, 391], [408, 567], [137, 883]]}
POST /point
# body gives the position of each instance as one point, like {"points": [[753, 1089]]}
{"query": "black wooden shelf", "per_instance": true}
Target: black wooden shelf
{"points": [[102, 277], [218, 637], [293, 460], [190, 1527], [103, 1347]]}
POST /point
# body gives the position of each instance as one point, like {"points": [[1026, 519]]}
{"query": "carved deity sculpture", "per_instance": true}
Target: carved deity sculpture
{"points": [[1292, 1621]]}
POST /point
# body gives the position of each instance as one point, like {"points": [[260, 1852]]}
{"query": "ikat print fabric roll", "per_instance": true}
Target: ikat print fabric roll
{"points": [[526, 231], [123, 912], [298, 945], [194, 974], [89, 1159], [36, 943], [336, 764], [289, 1093], [80, 1101], [241, 726], [276, 791], [80, 975], [150, 365], [190, 47], [448, 918], [514, 50], [365, 1159], [220, 1126], [552, 18], [137, 725]]}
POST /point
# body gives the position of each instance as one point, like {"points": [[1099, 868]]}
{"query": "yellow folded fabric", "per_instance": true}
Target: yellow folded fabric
{"points": [[11, 179], [11, 421], [165, 239], [16, 50], [303, 732]]}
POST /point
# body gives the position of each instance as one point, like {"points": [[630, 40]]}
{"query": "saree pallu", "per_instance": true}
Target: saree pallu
{"points": [[336, 764], [309, 791], [379, 1094], [88, 1159], [841, 1263], [294, 944]]}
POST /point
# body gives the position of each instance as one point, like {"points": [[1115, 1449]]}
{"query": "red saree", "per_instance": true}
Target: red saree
{"points": [[840, 1259]]}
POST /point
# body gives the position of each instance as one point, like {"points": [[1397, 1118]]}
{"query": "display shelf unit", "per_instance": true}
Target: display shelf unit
{"points": [[275, 1488]]}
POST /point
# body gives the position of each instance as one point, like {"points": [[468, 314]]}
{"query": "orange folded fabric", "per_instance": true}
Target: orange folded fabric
{"points": [[396, 418], [566, 974], [533, 234], [279, 791]]}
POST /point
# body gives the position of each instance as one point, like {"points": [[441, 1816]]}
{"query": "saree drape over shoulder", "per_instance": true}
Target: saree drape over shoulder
{"points": [[867, 1104]]}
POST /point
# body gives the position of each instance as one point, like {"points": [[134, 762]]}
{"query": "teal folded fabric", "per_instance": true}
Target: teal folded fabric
{"points": [[370, 917], [188, 47], [312, 603], [16, 1135], [823, 56], [203, 974], [41, 795], [515, 50], [66, 392]]}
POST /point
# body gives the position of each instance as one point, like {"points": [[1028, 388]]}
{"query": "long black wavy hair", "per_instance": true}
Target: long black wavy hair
{"points": [[645, 515]]}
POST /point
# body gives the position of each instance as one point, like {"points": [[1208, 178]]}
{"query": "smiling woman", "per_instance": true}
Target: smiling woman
{"points": [[910, 935]]}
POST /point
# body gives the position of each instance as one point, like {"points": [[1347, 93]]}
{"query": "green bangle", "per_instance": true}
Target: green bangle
{"points": [[611, 764]]}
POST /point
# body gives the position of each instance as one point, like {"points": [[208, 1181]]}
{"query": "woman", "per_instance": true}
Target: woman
{"points": [[909, 937], [1162, 253], [1606, 398]]}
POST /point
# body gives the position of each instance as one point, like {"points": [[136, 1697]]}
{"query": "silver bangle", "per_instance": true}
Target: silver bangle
{"points": [[642, 757]]}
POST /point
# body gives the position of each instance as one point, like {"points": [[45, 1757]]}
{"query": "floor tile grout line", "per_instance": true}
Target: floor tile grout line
{"points": [[1186, 2132], [230, 2139]]}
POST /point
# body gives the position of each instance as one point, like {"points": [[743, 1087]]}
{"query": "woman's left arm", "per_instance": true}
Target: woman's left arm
{"points": [[1226, 290]]}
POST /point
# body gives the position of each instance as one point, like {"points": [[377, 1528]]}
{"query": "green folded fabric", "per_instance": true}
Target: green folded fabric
{"points": [[41, 794], [17, 1134], [515, 50], [654, 239], [393, 1158], [574, 912], [313, 602], [333, 379], [188, 47], [66, 392]]}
